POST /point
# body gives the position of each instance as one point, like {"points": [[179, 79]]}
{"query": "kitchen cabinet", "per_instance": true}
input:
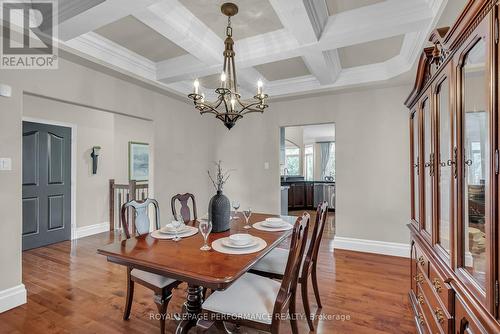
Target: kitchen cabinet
{"points": [[307, 194], [309, 189], [298, 195]]}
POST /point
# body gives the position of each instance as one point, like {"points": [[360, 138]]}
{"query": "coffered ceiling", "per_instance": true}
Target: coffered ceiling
{"points": [[294, 46]]}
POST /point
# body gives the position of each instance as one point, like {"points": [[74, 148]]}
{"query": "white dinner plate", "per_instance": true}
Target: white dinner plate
{"points": [[274, 225], [227, 243]]}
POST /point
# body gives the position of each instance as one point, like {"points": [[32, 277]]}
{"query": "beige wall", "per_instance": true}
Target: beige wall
{"points": [[94, 128], [127, 129], [183, 141], [10, 194], [371, 158]]}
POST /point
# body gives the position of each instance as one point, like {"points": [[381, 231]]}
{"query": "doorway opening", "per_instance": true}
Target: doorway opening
{"points": [[307, 168]]}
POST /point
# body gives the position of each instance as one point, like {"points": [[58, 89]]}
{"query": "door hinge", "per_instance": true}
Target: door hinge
{"points": [[497, 162], [496, 30], [497, 297]]}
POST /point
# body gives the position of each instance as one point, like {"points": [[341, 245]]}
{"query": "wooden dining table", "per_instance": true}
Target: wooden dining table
{"points": [[184, 261]]}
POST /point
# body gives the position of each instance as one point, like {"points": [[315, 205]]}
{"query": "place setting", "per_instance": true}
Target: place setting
{"points": [[239, 243], [273, 224], [175, 231]]}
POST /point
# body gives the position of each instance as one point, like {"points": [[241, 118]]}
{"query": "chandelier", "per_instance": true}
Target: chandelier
{"points": [[228, 107]]}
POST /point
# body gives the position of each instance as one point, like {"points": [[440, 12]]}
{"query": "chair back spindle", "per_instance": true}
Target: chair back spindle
{"points": [[141, 214]]}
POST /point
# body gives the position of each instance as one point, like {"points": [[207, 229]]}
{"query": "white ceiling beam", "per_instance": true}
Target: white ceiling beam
{"points": [[186, 67], [305, 20], [174, 21], [248, 54], [295, 18], [98, 16], [325, 66], [113, 54]]}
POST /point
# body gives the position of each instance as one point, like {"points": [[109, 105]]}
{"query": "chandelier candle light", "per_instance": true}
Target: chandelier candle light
{"points": [[229, 107]]}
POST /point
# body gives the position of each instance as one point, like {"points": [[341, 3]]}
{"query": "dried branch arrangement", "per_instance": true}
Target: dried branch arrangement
{"points": [[221, 176]]}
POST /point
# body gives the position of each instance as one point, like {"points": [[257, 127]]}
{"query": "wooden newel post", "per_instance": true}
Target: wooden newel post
{"points": [[112, 204], [131, 191]]}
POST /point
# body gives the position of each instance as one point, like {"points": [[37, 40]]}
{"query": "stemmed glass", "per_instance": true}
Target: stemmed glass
{"points": [[205, 227], [236, 206], [247, 213], [176, 224]]}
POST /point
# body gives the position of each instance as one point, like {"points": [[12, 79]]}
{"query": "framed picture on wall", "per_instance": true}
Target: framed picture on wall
{"points": [[138, 161]]}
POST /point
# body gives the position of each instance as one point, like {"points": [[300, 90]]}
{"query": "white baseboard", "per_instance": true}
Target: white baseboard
{"points": [[12, 297], [372, 246], [86, 231]]}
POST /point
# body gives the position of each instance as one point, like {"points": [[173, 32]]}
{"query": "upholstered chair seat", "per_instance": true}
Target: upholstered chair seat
{"points": [[156, 280], [274, 262], [251, 297]]}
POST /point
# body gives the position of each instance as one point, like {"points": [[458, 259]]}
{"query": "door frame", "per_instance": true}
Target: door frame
{"points": [[73, 163]]}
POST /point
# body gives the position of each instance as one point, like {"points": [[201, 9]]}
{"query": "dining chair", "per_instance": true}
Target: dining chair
{"points": [[162, 286], [273, 265], [183, 199], [260, 302]]}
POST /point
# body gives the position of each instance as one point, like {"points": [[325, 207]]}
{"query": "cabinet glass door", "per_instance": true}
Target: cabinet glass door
{"points": [[476, 162], [415, 209], [429, 167], [444, 164]]}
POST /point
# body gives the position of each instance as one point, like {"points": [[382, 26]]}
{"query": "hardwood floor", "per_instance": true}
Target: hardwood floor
{"points": [[71, 289]]}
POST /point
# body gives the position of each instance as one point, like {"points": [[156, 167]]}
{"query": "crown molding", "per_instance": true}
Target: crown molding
{"points": [[114, 54]]}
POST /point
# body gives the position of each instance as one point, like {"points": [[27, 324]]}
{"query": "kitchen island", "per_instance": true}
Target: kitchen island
{"points": [[307, 194]]}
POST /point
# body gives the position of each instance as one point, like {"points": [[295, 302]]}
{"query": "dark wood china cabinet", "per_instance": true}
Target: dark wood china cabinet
{"points": [[454, 176]]}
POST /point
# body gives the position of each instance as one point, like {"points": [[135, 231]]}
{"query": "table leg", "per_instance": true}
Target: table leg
{"points": [[192, 308]]}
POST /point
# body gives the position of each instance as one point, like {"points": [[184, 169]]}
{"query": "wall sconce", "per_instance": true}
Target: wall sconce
{"points": [[94, 155]]}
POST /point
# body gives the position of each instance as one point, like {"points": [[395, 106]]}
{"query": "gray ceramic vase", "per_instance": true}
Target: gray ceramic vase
{"points": [[219, 211]]}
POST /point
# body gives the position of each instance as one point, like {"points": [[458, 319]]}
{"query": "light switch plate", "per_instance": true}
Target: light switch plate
{"points": [[266, 165], [5, 90], [5, 164]]}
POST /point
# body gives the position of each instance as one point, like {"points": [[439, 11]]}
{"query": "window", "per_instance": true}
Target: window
{"points": [[330, 166], [309, 162], [292, 160]]}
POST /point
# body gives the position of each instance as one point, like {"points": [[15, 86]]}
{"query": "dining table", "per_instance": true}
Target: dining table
{"points": [[184, 261]]}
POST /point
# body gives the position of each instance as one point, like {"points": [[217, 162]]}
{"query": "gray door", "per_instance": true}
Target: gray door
{"points": [[46, 184]]}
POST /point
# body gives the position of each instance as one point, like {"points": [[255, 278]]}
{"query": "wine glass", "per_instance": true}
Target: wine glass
{"points": [[247, 213], [236, 206], [205, 227], [176, 223]]}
